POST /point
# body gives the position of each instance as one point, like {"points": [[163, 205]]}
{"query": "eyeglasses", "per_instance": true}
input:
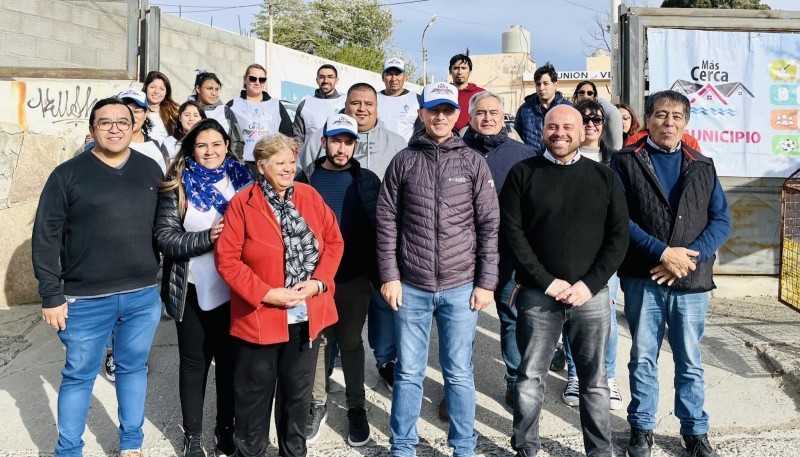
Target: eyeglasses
{"points": [[596, 120], [253, 79], [590, 93], [105, 126]]}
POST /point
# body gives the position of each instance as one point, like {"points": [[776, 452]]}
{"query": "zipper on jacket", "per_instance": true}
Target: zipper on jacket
{"points": [[686, 178], [436, 222]]}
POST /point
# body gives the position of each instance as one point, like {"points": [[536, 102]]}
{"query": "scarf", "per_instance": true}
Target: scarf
{"points": [[198, 181], [301, 248]]}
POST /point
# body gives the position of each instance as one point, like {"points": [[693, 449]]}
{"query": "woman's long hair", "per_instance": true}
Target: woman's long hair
{"points": [[168, 109], [174, 174], [634, 119], [593, 107]]}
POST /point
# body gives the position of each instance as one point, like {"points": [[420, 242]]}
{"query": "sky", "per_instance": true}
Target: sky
{"points": [[476, 25]]}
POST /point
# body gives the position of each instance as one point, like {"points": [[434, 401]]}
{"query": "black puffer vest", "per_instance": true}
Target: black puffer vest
{"points": [[649, 208]]}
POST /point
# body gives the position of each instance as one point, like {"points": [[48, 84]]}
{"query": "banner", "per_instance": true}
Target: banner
{"points": [[744, 88]]}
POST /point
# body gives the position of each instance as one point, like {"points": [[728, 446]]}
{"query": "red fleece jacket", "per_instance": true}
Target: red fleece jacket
{"points": [[463, 100]]}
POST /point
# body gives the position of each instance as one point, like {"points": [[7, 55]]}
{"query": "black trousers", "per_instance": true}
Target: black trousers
{"points": [[203, 336], [259, 368]]}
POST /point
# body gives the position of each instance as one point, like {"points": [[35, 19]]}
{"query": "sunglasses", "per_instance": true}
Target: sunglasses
{"points": [[253, 79], [596, 120], [590, 93]]}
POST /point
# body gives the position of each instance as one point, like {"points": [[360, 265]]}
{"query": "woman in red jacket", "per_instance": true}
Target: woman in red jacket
{"points": [[278, 251]]}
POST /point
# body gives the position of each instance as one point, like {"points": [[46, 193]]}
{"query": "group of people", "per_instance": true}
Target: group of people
{"points": [[278, 239]]}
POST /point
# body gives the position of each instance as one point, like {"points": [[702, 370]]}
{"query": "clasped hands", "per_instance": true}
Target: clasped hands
{"points": [[676, 263], [569, 294], [294, 296]]}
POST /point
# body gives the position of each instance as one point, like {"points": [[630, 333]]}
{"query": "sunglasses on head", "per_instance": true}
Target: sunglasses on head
{"points": [[253, 79], [596, 120], [590, 93]]}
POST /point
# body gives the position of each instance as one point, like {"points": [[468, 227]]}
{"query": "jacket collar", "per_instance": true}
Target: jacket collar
{"points": [[256, 200], [483, 143], [424, 142], [334, 94], [264, 95]]}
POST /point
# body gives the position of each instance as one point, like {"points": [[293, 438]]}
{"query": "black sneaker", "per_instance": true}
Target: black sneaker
{"points": [[386, 372], [640, 443], [559, 362], [193, 445], [359, 427], [110, 368], [316, 419], [698, 446], [223, 440]]}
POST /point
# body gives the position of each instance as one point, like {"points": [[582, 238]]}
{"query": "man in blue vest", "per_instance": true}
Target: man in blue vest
{"points": [[678, 219]]}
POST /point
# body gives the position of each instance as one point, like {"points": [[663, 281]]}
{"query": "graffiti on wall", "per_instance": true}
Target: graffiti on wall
{"points": [[70, 105]]}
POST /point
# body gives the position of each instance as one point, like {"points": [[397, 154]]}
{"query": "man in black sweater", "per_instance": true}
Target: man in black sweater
{"points": [[565, 225], [96, 263]]}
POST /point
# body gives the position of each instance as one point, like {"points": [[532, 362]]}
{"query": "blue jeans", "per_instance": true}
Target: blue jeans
{"points": [[456, 324], [133, 318], [613, 336], [508, 326], [380, 330], [539, 324], [648, 307]]}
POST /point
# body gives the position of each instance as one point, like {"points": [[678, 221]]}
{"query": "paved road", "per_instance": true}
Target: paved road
{"points": [[753, 412]]}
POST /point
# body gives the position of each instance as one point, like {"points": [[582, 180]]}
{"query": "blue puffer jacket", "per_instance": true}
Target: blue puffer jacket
{"points": [[530, 119]]}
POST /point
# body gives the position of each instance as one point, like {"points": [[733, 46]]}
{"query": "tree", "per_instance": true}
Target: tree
{"points": [[599, 34], [354, 32], [718, 4]]}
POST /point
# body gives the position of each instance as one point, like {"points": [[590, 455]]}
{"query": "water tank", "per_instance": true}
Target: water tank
{"points": [[516, 39]]}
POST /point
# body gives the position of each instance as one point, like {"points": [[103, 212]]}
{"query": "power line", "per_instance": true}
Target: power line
{"points": [[207, 9], [583, 6]]}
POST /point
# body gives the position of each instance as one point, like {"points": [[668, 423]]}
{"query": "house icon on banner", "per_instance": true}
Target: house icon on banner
{"points": [[714, 100]]}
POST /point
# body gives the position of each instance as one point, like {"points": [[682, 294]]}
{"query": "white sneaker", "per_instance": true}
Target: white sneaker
{"points": [[571, 395], [614, 395]]}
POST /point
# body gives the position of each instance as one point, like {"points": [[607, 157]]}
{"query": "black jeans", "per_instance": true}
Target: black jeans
{"points": [[259, 368], [352, 300], [540, 319], [202, 336]]}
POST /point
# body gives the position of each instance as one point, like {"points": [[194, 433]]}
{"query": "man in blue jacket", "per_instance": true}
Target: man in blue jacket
{"points": [[486, 136], [530, 116], [678, 219]]}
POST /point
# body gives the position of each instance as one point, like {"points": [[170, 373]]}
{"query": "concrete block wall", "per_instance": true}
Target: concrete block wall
{"points": [[52, 33], [187, 45]]}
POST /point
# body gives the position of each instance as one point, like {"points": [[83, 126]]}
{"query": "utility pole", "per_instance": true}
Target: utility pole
{"points": [[270, 11]]}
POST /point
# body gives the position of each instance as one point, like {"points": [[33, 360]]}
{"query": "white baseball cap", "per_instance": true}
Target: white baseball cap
{"points": [[135, 96], [340, 123], [435, 94], [394, 62]]}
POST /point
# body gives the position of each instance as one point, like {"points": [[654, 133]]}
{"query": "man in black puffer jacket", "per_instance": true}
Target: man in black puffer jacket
{"points": [[438, 220]]}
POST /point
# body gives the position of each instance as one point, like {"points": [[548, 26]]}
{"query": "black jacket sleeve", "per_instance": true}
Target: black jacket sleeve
{"points": [[286, 121], [172, 240]]}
